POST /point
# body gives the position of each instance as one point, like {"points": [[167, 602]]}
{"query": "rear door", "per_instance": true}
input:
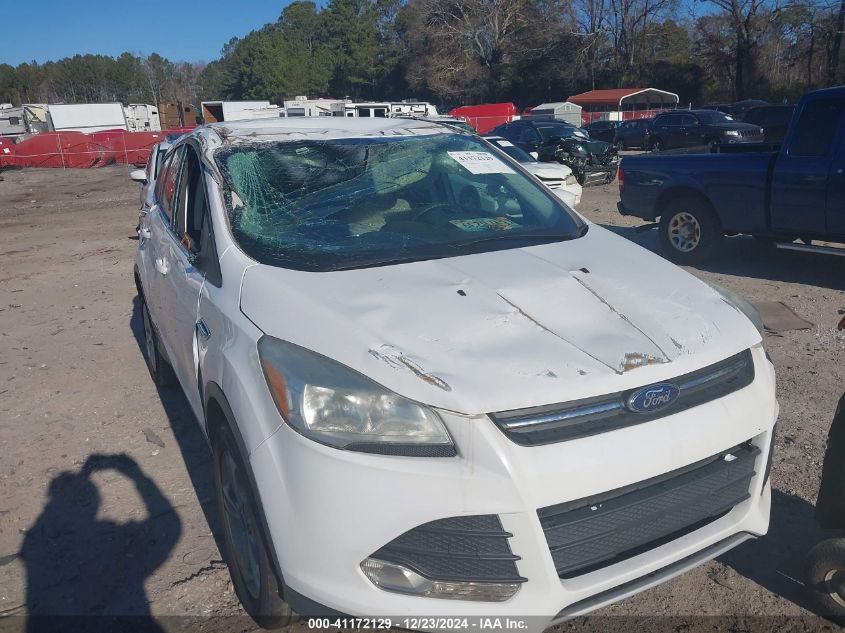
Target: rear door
{"points": [[183, 281], [153, 233], [809, 173]]}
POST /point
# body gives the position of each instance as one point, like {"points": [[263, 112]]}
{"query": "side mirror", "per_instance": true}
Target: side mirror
{"points": [[139, 175]]}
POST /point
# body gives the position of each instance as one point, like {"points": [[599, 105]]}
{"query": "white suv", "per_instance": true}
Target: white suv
{"points": [[432, 389]]}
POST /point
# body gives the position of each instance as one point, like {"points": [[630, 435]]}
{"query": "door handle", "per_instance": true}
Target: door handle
{"points": [[203, 330], [161, 265], [144, 233]]}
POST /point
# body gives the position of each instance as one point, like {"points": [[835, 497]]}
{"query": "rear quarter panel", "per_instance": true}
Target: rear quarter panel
{"points": [[734, 185]]}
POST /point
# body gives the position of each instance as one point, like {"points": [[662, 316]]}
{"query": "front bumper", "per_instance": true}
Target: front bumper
{"points": [[328, 510]]}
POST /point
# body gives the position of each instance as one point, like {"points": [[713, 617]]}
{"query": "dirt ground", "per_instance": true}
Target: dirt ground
{"points": [[106, 498]]}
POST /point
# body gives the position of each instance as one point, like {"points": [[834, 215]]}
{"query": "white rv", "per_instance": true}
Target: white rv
{"points": [[87, 117], [215, 111], [142, 117]]}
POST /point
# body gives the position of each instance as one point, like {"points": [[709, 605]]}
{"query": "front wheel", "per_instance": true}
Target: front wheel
{"points": [[825, 574], [250, 565], [656, 145], [689, 232]]}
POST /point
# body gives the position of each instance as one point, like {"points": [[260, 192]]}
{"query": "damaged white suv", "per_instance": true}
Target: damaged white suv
{"points": [[432, 389]]}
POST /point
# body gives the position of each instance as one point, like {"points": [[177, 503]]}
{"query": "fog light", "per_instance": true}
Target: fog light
{"points": [[400, 579]]}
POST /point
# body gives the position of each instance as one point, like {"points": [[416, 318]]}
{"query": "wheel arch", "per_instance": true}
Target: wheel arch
{"points": [[218, 414], [671, 195]]}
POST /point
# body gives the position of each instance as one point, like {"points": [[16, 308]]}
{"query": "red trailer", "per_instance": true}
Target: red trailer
{"points": [[7, 153], [486, 116]]}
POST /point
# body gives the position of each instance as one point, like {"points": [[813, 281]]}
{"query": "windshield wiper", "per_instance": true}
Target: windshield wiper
{"points": [[551, 237]]}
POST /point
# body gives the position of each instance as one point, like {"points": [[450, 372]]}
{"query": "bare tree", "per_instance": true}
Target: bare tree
{"points": [[749, 19]]}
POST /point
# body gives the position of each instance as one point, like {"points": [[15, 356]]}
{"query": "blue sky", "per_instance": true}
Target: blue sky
{"points": [[181, 30]]}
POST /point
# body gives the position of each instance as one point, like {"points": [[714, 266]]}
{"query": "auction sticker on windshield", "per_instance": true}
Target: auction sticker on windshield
{"points": [[484, 224], [480, 163]]}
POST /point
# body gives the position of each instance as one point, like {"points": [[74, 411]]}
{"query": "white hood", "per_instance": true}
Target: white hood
{"points": [[508, 329], [548, 170]]}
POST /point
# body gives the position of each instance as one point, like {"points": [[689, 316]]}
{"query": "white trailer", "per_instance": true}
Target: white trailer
{"points": [[303, 106], [11, 120], [216, 111], [88, 117], [384, 109], [142, 117]]}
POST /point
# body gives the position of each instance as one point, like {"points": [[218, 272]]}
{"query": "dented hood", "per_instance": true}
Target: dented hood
{"points": [[507, 329]]}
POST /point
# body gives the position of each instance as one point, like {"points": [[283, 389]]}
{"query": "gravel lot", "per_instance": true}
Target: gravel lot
{"points": [[73, 385]]}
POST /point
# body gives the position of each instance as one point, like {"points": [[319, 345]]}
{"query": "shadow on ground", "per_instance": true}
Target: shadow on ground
{"points": [[746, 257], [776, 561], [79, 565]]}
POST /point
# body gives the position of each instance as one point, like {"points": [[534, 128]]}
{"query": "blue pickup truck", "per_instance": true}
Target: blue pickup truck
{"points": [[794, 193]]}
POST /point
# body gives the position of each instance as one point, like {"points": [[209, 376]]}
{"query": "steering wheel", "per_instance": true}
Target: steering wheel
{"points": [[441, 207]]}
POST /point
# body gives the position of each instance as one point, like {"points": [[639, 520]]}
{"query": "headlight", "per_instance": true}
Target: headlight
{"points": [[335, 405], [740, 303], [731, 133]]}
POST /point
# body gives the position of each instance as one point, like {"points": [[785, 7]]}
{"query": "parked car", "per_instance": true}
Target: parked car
{"points": [[603, 130], [422, 399], [795, 192], [146, 177], [559, 178], [633, 134], [691, 128], [773, 119], [737, 109], [554, 141]]}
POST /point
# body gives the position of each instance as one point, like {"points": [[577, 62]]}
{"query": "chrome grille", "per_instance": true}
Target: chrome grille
{"points": [[600, 414]]}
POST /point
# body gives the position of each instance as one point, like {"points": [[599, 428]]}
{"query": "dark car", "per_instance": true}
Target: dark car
{"points": [[735, 110], [633, 134], [555, 141], [692, 128], [603, 130], [774, 120]]}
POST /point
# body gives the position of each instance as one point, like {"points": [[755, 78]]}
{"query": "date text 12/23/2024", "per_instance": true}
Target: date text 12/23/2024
{"points": [[421, 623]]}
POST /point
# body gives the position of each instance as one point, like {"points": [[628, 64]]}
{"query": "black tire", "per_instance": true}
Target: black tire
{"points": [[656, 145], [825, 577], [689, 231], [712, 144], [620, 145], [160, 370], [250, 565]]}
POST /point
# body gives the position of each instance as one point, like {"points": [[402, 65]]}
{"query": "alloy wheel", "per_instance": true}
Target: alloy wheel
{"points": [[684, 232]]}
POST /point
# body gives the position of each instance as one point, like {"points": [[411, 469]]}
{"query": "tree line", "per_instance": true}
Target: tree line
{"points": [[474, 51]]}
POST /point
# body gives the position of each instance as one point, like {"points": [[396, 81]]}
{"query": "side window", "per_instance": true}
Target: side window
{"points": [[192, 217], [166, 185], [528, 135], [689, 120], [816, 129]]}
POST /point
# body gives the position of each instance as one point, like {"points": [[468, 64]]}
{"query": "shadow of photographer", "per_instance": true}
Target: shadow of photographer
{"points": [[79, 565]]}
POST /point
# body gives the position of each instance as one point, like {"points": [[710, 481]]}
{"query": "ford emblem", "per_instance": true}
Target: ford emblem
{"points": [[653, 398]]}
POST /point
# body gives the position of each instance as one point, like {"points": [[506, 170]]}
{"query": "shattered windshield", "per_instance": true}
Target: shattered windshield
{"points": [[352, 203]]}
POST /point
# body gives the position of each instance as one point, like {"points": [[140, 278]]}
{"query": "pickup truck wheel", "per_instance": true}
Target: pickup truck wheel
{"points": [[688, 231], [160, 370], [249, 563]]}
